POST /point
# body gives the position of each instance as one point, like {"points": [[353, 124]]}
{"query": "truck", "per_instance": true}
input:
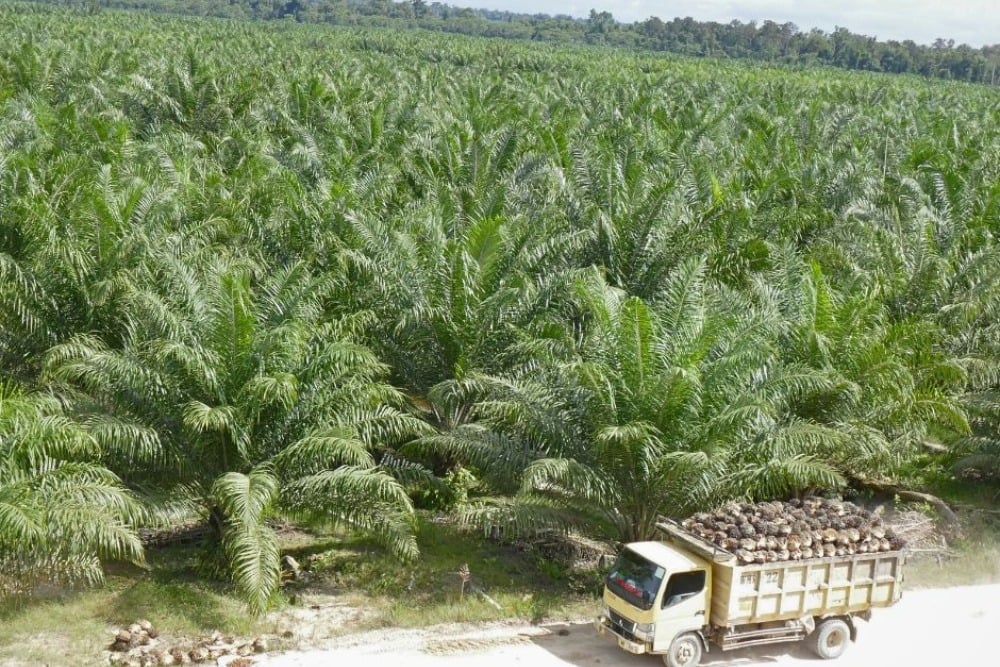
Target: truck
{"points": [[681, 594]]}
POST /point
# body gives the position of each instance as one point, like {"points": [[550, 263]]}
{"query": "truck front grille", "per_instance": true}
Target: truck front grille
{"points": [[622, 626]]}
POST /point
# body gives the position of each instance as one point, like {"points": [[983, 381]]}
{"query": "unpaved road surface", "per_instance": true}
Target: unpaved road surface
{"points": [[954, 626]]}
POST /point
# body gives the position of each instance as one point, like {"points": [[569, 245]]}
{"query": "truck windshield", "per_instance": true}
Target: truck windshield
{"points": [[635, 579]]}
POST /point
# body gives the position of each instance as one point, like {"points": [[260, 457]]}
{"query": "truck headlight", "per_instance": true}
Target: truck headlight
{"points": [[645, 631]]}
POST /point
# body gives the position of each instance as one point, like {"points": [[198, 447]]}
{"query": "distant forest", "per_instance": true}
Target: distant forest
{"points": [[767, 41]]}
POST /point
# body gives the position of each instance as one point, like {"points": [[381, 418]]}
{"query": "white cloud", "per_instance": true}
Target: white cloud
{"points": [[974, 22]]}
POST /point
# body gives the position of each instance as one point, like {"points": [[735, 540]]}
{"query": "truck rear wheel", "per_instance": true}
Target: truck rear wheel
{"points": [[684, 651], [830, 638]]}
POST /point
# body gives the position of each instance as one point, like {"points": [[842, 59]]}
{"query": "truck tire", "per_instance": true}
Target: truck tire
{"points": [[830, 638], [684, 651]]}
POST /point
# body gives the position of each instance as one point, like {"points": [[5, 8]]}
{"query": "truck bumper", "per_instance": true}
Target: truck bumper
{"points": [[603, 626]]}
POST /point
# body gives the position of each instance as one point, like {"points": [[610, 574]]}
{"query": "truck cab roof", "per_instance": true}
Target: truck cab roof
{"points": [[674, 560]]}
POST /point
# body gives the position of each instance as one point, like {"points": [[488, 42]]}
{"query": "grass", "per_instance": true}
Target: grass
{"points": [[504, 583], [73, 628], [968, 567]]}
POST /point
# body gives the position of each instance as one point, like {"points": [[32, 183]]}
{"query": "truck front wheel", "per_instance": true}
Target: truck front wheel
{"points": [[830, 638], [684, 651]]}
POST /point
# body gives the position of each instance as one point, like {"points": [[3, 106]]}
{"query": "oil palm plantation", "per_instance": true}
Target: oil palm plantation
{"points": [[623, 285]]}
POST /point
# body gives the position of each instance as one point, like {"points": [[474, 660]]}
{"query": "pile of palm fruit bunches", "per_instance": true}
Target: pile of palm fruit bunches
{"points": [[767, 532], [138, 646]]}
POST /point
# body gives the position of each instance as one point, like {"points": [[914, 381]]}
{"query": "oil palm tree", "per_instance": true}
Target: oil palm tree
{"points": [[451, 294], [61, 511], [657, 413], [70, 248], [233, 390], [630, 196]]}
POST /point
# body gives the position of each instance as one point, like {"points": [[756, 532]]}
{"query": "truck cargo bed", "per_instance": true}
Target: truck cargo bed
{"points": [[786, 590], [814, 587]]}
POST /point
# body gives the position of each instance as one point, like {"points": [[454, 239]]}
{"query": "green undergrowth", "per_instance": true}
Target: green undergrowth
{"points": [[503, 582], [73, 627]]}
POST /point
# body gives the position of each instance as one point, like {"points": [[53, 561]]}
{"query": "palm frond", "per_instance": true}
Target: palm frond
{"points": [[124, 439], [570, 479], [251, 547], [246, 498], [323, 450], [781, 477], [281, 388], [501, 458], [525, 516], [367, 499], [223, 419], [252, 551], [682, 305]]}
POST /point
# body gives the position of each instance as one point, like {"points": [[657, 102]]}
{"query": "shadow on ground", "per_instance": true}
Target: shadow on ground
{"points": [[579, 644]]}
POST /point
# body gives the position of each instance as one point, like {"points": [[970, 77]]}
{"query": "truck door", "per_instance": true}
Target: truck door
{"points": [[683, 607]]}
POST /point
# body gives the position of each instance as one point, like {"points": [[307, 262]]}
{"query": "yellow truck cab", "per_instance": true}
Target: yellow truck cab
{"points": [[655, 593], [678, 596]]}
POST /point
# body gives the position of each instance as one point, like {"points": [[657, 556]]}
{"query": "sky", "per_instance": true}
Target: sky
{"points": [[972, 22]]}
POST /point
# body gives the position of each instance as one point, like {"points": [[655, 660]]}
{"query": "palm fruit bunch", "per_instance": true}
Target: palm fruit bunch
{"points": [[797, 529]]}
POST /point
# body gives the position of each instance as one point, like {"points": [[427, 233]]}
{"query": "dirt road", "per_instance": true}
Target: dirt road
{"points": [[955, 626]]}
